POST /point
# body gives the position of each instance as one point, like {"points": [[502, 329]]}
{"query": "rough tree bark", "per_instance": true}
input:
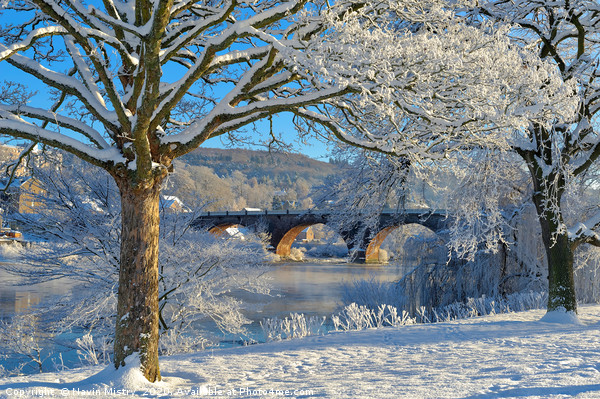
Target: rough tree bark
{"points": [[547, 196], [138, 278], [559, 254]]}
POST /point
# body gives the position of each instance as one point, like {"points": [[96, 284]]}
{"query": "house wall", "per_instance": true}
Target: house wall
{"points": [[29, 193]]}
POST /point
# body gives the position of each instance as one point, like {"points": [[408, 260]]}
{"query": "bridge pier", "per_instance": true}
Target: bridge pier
{"points": [[357, 256]]}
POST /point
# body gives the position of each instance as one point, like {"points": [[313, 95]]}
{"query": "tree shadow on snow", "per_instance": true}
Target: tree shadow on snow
{"points": [[570, 390]]}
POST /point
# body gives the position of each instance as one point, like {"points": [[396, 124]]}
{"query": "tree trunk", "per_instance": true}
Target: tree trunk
{"points": [[137, 308], [559, 253], [548, 189]]}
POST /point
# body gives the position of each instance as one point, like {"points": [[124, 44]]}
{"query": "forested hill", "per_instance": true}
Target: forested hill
{"points": [[274, 166], [233, 179]]}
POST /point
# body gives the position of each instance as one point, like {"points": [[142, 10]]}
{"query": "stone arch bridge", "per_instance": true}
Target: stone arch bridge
{"points": [[284, 226]]}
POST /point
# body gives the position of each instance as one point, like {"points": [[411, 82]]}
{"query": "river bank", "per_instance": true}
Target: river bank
{"points": [[508, 355]]}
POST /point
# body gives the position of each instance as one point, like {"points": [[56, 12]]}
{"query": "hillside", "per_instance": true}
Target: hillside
{"points": [[233, 179], [277, 166]]}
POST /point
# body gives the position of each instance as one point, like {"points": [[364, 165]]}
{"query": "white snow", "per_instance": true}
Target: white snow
{"points": [[562, 317], [509, 355]]}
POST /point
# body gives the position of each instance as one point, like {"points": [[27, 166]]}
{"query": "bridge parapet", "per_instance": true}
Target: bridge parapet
{"points": [[412, 212]]}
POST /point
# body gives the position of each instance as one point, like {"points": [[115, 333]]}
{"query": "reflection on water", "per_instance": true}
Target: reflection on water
{"points": [[16, 296], [316, 288], [312, 288]]}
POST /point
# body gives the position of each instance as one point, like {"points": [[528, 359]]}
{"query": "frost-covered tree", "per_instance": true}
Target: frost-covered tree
{"points": [[78, 219], [532, 92], [136, 84], [559, 151]]}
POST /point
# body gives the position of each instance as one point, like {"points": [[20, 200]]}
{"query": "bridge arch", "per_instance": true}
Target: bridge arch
{"points": [[284, 226], [323, 235], [372, 254], [372, 251], [221, 229], [284, 247]]}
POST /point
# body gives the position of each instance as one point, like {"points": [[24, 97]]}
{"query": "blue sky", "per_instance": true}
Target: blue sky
{"points": [[282, 123], [282, 126]]}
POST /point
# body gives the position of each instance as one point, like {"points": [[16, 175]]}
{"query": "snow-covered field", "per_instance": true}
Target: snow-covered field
{"points": [[510, 355]]}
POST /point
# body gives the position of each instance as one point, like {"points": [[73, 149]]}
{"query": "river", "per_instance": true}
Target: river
{"points": [[314, 288]]}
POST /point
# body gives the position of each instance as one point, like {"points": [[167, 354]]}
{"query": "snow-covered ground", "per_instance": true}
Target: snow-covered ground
{"points": [[510, 355]]}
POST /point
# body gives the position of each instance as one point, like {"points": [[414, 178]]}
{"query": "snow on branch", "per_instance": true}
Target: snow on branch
{"points": [[99, 157], [409, 78], [58, 120], [584, 231], [454, 84], [26, 43], [65, 83]]}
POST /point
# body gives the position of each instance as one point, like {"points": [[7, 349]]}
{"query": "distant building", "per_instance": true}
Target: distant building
{"points": [[171, 203], [306, 235], [281, 201], [10, 154], [21, 195]]}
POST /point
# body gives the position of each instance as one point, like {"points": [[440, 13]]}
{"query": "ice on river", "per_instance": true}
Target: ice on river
{"points": [[506, 356]]}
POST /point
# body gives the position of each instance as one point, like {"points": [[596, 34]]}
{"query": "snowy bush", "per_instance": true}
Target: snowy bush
{"points": [[22, 340], [330, 250], [359, 317], [12, 250], [297, 254], [371, 293], [93, 353], [80, 227], [174, 342], [296, 326], [587, 273], [354, 317]]}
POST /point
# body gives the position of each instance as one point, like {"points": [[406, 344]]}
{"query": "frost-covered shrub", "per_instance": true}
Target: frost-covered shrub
{"points": [[174, 341], [22, 340], [355, 317], [514, 268], [297, 254], [332, 250], [358, 317], [383, 256], [12, 250], [93, 351], [518, 267], [371, 293], [199, 274], [587, 273], [296, 326]]}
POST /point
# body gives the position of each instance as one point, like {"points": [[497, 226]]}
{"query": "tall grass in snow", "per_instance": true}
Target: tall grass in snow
{"points": [[360, 317], [296, 326]]}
